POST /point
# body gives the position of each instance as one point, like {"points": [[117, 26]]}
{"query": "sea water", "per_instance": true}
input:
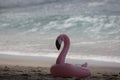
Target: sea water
{"points": [[30, 28]]}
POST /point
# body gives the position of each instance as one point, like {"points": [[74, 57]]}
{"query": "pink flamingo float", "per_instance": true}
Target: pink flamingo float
{"points": [[62, 69]]}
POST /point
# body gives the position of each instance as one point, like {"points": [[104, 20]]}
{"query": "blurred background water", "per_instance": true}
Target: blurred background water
{"points": [[30, 27]]}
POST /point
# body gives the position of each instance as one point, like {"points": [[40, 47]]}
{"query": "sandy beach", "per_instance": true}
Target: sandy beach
{"points": [[17, 72]]}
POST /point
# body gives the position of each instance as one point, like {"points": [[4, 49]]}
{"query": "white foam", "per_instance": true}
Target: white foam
{"points": [[30, 30], [96, 58], [50, 25], [95, 4], [4, 25], [57, 25], [96, 42]]}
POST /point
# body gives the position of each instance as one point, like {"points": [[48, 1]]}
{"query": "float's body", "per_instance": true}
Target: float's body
{"points": [[68, 70]]}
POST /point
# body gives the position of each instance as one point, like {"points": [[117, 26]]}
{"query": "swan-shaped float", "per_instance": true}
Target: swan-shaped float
{"points": [[62, 69]]}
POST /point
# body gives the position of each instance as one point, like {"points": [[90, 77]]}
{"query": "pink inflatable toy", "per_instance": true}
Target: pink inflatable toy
{"points": [[62, 69]]}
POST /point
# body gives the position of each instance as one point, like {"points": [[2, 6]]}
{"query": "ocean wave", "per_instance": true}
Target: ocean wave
{"points": [[93, 27]]}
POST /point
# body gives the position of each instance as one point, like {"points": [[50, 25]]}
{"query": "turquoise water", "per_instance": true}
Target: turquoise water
{"points": [[31, 29]]}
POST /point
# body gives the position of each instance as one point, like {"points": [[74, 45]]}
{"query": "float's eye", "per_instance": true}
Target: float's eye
{"points": [[58, 45]]}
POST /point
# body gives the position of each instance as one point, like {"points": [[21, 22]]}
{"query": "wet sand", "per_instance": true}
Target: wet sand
{"points": [[16, 72]]}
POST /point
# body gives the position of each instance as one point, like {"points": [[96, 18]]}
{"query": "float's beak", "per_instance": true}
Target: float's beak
{"points": [[58, 45]]}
